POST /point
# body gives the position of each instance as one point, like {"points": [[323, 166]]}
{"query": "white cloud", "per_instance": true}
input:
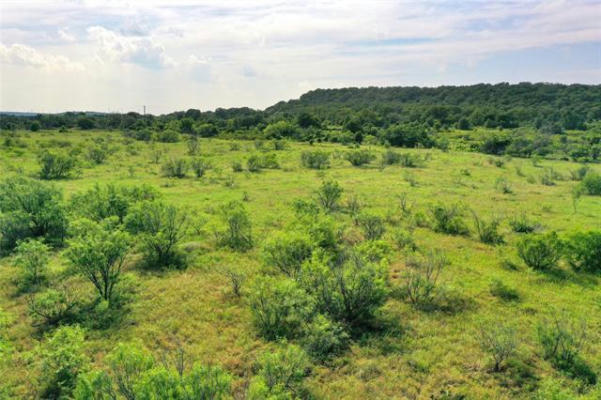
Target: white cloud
{"points": [[21, 55], [143, 51], [65, 35]]}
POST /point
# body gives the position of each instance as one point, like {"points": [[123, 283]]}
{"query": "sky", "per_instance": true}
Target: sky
{"points": [[117, 56]]}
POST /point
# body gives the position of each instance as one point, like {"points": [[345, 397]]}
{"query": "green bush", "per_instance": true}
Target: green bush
{"points": [[409, 160], [200, 167], [56, 165], [287, 252], [175, 168], [253, 164], [236, 230], [328, 195], [110, 200], [98, 253], [280, 308], [32, 257], [168, 136], [324, 338], [372, 225], [62, 360], [159, 228], [315, 159], [500, 340], [488, 231], [29, 208], [98, 154], [348, 289], [541, 251], [448, 219], [358, 158], [502, 291], [390, 157], [420, 279], [281, 375], [522, 224], [52, 307], [237, 166], [592, 183], [403, 239], [583, 251]]}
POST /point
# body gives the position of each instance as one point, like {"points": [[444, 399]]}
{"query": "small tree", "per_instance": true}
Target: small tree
{"points": [[98, 254], [541, 251], [500, 341], [328, 195], [160, 227], [32, 257]]}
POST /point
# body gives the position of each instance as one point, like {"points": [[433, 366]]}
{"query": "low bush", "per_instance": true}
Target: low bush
{"points": [[280, 308], [420, 279], [287, 252], [315, 159], [159, 228], [390, 157], [280, 375], [540, 251], [448, 219], [200, 166], [98, 154], [502, 291], [237, 166], [500, 341], [522, 224], [167, 136], [328, 195], [583, 251], [409, 160], [52, 307], [32, 257], [56, 165], [403, 239], [175, 168], [236, 228], [372, 225], [324, 338], [488, 231], [62, 360], [358, 158], [592, 183]]}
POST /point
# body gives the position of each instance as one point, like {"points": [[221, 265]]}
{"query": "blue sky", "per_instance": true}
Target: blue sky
{"points": [[173, 55]]}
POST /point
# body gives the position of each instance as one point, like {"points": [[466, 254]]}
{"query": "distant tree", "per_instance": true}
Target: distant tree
{"points": [[35, 126], [85, 123], [186, 125]]}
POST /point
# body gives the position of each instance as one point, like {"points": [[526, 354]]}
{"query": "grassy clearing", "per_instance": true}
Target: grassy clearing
{"points": [[433, 353]]}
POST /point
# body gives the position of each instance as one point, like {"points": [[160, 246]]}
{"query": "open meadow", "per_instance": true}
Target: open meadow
{"points": [[287, 271]]}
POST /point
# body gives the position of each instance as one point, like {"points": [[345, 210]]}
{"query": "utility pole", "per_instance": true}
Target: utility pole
{"points": [[144, 110]]}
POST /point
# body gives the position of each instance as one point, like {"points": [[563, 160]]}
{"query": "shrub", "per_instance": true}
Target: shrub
{"points": [[579, 173], [193, 145], [324, 338], [253, 163], [175, 168], [159, 228], [348, 289], [52, 307], [500, 341], [562, 342], [236, 279], [583, 251], [502, 291], [522, 224], [592, 183], [488, 230], [503, 185], [541, 251], [62, 360], [403, 239], [409, 160], [358, 158], [56, 165], [390, 157], [287, 252], [107, 201], [98, 253], [168, 136], [98, 154], [94, 385], [200, 166], [236, 232], [421, 277], [280, 308], [29, 208], [237, 166], [372, 225], [32, 258], [281, 375], [128, 362], [328, 195], [448, 219], [315, 159]]}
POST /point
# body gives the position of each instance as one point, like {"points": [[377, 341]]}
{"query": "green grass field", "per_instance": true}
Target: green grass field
{"points": [[431, 353]]}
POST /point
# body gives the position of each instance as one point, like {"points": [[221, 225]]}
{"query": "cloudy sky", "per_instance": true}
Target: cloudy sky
{"points": [[174, 55]]}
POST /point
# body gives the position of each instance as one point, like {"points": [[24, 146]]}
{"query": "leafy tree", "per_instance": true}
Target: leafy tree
{"points": [[56, 165], [98, 253], [30, 208], [62, 360], [159, 228], [32, 257], [540, 251], [85, 123]]}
